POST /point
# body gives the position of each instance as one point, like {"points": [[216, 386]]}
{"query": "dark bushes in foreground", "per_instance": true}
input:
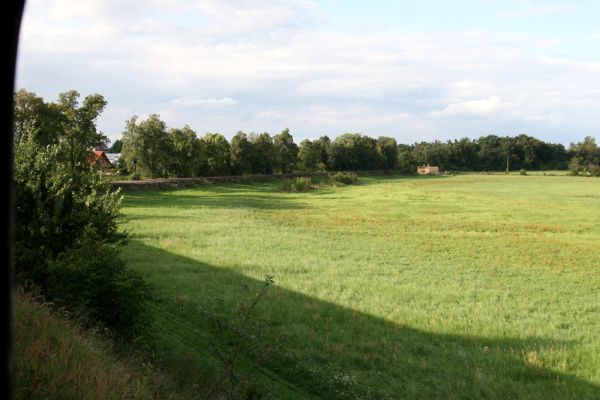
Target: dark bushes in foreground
{"points": [[67, 239]]}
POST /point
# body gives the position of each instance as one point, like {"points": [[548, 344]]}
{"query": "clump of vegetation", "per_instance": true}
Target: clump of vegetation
{"points": [[67, 239], [586, 158], [343, 178], [56, 359], [523, 172], [136, 176], [299, 184], [239, 332]]}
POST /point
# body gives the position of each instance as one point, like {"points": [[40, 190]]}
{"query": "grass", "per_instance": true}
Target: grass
{"points": [[461, 287], [56, 359]]}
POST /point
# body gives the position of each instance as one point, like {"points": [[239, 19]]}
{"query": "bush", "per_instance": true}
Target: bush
{"points": [[285, 185], [302, 184], [299, 184], [343, 178], [523, 172], [593, 170], [93, 282], [136, 176], [67, 241]]}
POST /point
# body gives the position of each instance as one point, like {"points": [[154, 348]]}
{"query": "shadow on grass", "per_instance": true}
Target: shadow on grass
{"points": [[261, 195], [332, 352], [222, 195]]}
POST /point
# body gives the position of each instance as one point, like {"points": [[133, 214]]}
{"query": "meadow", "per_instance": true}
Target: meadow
{"points": [[450, 287]]}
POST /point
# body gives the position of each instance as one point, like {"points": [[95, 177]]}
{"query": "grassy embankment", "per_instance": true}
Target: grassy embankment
{"points": [[56, 359], [470, 286]]}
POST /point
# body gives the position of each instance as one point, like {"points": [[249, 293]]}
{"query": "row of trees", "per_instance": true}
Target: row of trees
{"points": [[150, 148]]}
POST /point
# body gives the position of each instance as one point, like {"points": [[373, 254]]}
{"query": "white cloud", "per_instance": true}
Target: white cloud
{"points": [[208, 103], [470, 108]]}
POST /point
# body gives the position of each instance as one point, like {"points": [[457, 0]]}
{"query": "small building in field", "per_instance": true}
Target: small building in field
{"points": [[428, 170], [100, 160]]}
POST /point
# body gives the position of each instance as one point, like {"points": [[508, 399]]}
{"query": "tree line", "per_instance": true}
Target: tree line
{"points": [[148, 147]]}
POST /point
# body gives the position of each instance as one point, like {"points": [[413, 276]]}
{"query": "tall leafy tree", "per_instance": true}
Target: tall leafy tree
{"points": [[286, 151], [146, 146], [116, 146], [585, 157], [67, 238], [79, 133], [241, 153], [323, 143], [263, 153], [214, 155], [309, 156], [387, 151], [184, 151], [35, 119]]}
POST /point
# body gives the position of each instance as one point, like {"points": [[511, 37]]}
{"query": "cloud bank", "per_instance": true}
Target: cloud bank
{"points": [[266, 65]]}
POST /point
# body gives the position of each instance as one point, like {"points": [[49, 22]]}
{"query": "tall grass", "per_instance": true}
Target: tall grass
{"points": [[56, 359], [469, 286]]}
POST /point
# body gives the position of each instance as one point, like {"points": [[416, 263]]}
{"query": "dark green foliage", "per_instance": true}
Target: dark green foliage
{"points": [[263, 153], [354, 152], [35, 120], [184, 155], [299, 184], [214, 154], [241, 154], [121, 166], [116, 147], [146, 146], [94, 282], [286, 151], [343, 178], [309, 156], [387, 150], [523, 172], [585, 159], [67, 239]]}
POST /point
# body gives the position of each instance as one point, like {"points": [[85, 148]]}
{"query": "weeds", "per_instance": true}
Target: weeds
{"points": [[299, 184], [240, 336]]}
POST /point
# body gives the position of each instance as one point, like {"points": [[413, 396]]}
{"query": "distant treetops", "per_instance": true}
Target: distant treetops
{"points": [[155, 151], [150, 148]]}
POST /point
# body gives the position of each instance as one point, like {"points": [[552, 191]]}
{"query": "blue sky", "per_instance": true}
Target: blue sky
{"points": [[416, 71]]}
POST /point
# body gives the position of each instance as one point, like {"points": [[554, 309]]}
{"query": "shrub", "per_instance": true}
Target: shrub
{"points": [[523, 172], [285, 185], [302, 184], [136, 176], [244, 330], [299, 184], [593, 170], [67, 241], [343, 178]]}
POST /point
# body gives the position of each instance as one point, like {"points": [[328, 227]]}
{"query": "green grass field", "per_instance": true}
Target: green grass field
{"points": [[460, 287]]}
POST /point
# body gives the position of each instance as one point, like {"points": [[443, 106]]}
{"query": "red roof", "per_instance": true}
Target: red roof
{"points": [[100, 159]]}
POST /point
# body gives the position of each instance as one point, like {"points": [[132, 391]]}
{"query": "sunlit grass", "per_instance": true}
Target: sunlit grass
{"points": [[469, 286]]}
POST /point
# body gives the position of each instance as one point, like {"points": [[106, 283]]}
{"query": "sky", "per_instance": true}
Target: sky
{"points": [[426, 70]]}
